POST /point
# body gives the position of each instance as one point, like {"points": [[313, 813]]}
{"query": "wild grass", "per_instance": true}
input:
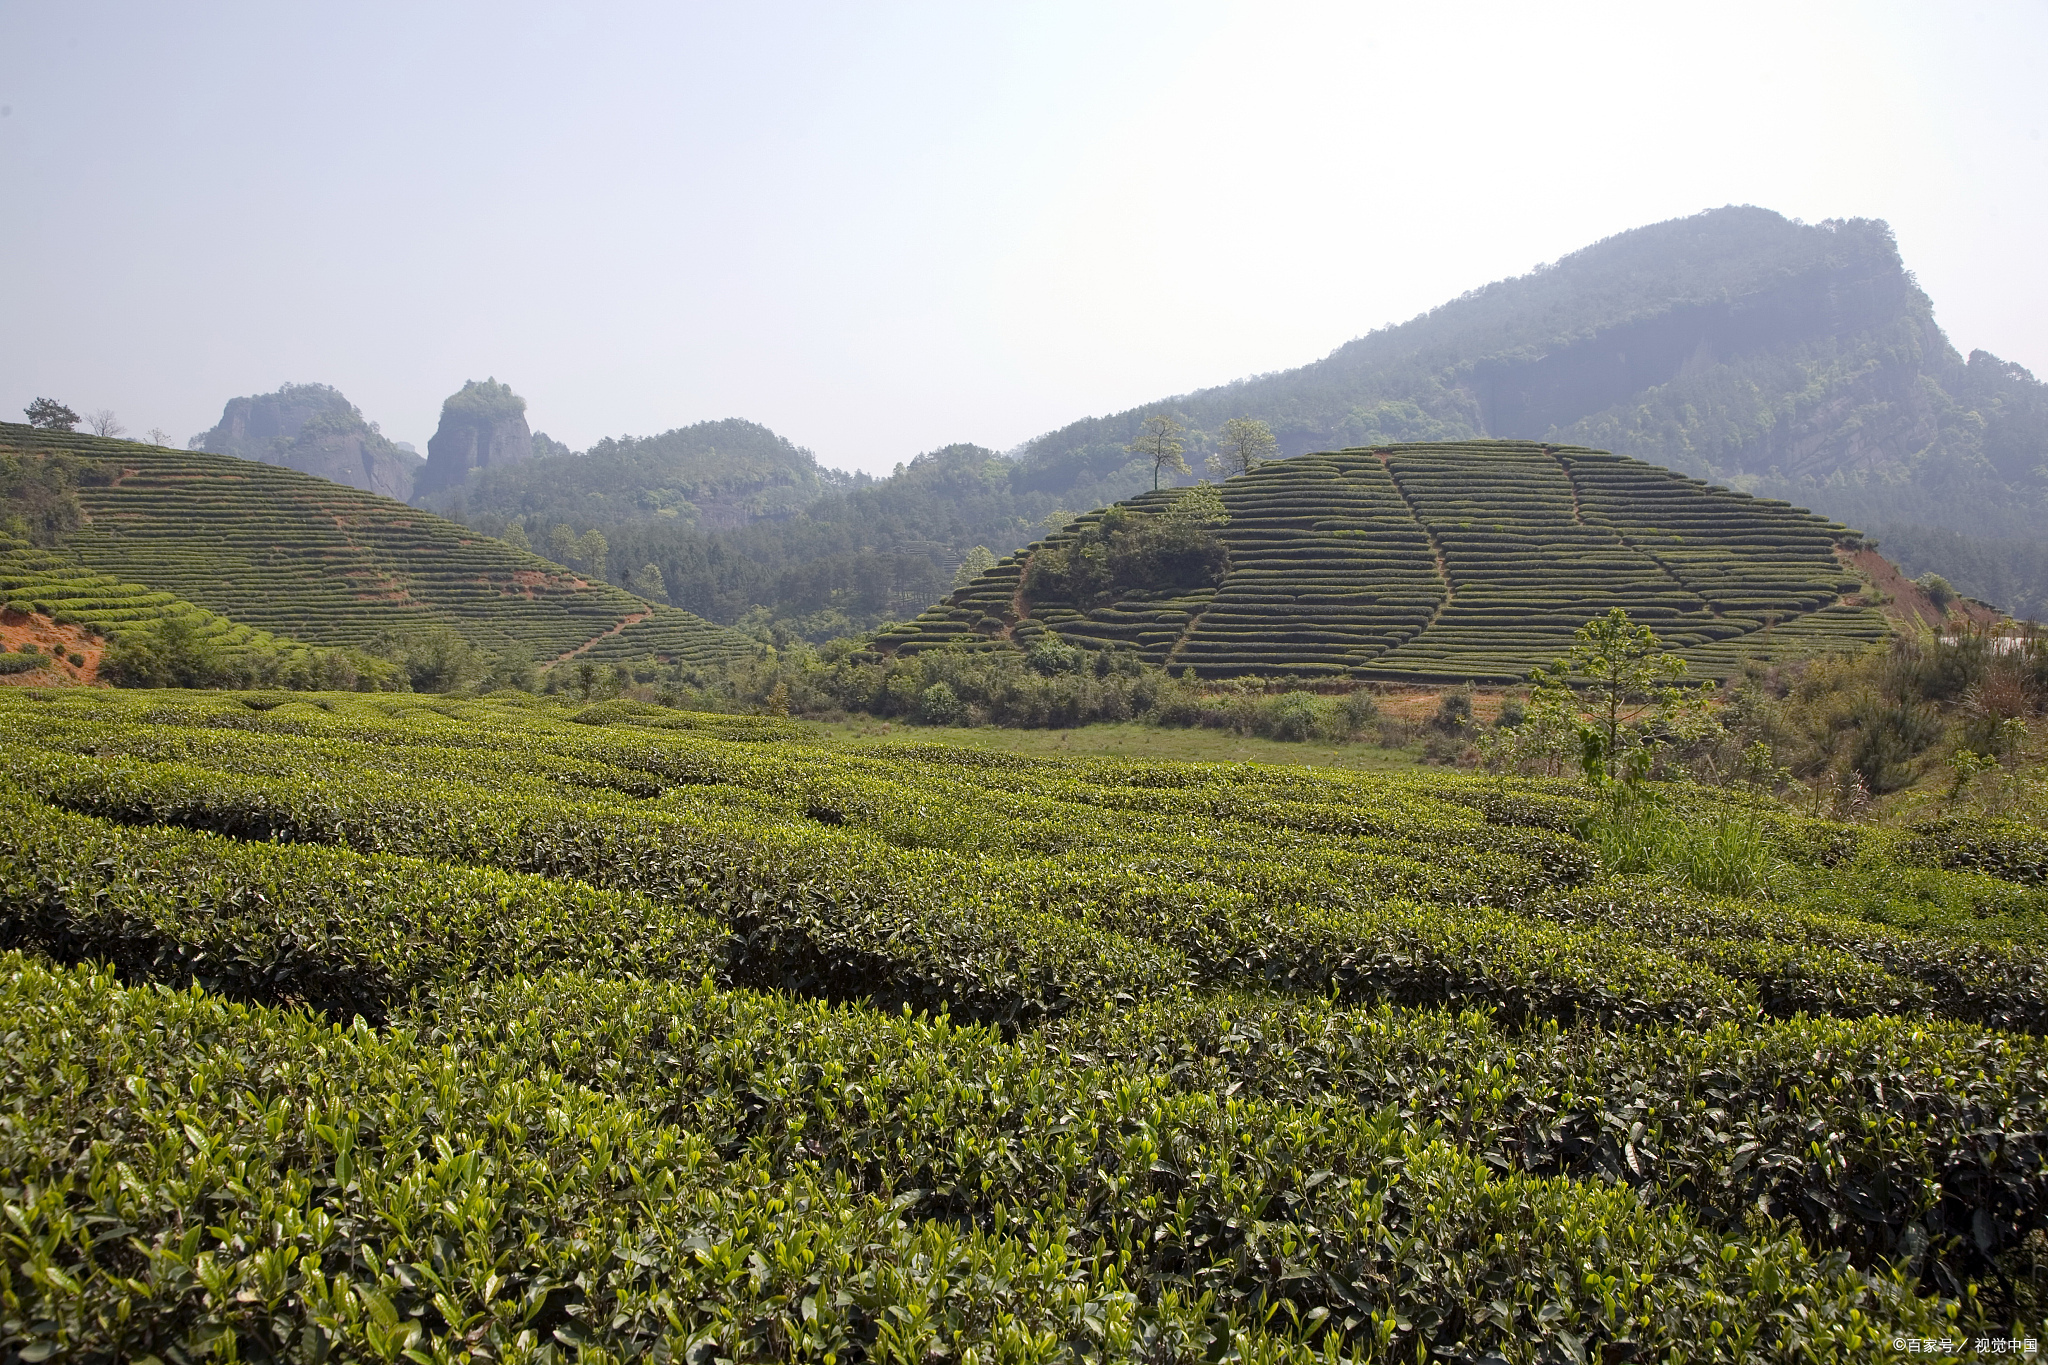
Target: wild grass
{"points": [[1723, 854]]}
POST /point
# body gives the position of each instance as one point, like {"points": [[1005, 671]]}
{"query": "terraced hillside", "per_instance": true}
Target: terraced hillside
{"points": [[1450, 561], [353, 1028], [295, 555], [69, 593]]}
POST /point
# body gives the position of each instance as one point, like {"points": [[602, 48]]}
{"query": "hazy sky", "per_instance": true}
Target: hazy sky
{"points": [[881, 228]]}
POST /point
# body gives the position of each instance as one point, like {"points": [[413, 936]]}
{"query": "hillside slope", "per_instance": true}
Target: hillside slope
{"points": [[295, 555], [1794, 360], [1444, 561]]}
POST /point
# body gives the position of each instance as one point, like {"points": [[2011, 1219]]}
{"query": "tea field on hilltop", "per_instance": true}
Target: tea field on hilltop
{"points": [[382, 1027]]}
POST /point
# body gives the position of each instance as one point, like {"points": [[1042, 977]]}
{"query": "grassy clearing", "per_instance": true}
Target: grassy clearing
{"points": [[1126, 740]]}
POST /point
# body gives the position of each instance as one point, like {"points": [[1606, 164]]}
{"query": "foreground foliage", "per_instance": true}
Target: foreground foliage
{"points": [[352, 1027]]}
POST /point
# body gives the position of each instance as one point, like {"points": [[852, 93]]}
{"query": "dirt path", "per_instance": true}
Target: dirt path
{"points": [[632, 620], [1443, 565], [1579, 517]]}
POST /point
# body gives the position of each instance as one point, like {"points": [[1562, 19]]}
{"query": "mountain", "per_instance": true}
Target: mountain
{"points": [[1792, 360], [483, 426], [305, 558], [313, 429], [1796, 360], [1438, 561]]}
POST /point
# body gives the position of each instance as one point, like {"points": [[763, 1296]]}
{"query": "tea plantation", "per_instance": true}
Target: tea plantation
{"points": [[393, 1027], [318, 562], [46, 583], [1447, 562]]}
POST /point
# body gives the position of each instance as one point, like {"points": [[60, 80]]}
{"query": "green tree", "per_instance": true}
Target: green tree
{"points": [[171, 653], [1246, 443], [51, 415], [1938, 591], [592, 552], [515, 536], [562, 545], [979, 561], [1614, 700], [649, 583], [1200, 506], [1162, 442]]}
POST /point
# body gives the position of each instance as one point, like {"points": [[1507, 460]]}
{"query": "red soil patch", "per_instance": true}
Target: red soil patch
{"points": [[1910, 605], [57, 644]]}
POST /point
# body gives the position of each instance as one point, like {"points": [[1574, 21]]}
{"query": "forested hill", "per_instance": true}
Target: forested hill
{"points": [[744, 526], [711, 475], [1799, 361]]}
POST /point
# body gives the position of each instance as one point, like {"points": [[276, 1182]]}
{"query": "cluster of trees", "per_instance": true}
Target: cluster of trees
{"points": [[39, 494], [1846, 728], [51, 415], [1050, 685], [175, 651], [1127, 550]]}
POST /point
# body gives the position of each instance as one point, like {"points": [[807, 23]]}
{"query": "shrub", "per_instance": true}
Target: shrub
{"points": [[937, 705]]}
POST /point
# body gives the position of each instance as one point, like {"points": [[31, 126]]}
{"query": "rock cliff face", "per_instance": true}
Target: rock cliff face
{"points": [[313, 429], [483, 426]]}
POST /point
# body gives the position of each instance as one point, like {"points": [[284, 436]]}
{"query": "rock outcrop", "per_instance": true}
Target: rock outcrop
{"points": [[313, 429], [483, 426]]}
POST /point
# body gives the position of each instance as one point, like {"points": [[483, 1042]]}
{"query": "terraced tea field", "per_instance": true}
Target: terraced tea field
{"points": [[321, 563], [390, 1027], [1447, 562], [39, 583]]}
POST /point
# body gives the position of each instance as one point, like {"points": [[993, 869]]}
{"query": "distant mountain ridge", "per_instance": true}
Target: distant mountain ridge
{"points": [[1798, 361], [717, 475]]}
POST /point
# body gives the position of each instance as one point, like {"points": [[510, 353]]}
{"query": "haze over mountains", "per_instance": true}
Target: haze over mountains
{"points": [[1793, 360]]}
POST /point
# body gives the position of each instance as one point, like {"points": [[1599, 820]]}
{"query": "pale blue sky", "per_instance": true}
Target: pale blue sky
{"points": [[880, 228]]}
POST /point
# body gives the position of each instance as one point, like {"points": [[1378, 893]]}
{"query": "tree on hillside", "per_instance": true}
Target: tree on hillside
{"points": [[562, 544], [1938, 591], [1246, 443], [1162, 442], [104, 423], [979, 561], [649, 583], [51, 415], [592, 552]]}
